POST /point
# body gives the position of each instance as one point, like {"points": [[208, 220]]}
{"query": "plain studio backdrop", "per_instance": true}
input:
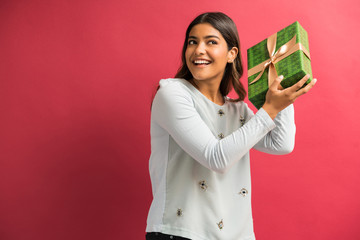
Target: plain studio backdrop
{"points": [[76, 83]]}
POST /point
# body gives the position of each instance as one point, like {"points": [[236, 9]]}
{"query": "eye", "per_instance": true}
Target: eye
{"points": [[212, 42], [191, 42]]}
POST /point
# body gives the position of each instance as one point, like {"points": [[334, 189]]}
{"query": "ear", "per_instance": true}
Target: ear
{"points": [[232, 54]]}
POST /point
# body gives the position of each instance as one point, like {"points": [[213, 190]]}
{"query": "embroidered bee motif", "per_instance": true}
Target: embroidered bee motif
{"points": [[242, 120], [221, 136], [221, 112], [203, 185], [179, 212], [243, 192], [220, 224]]}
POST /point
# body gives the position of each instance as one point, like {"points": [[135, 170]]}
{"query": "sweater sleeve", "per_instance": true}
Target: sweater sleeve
{"points": [[173, 110], [281, 140]]}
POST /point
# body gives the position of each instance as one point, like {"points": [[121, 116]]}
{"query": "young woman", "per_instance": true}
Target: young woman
{"points": [[200, 138]]}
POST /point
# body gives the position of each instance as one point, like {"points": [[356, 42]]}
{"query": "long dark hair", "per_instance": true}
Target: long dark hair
{"points": [[234, 70]]}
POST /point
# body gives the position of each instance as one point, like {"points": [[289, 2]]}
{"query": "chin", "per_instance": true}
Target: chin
{"points": [[201, 78]]}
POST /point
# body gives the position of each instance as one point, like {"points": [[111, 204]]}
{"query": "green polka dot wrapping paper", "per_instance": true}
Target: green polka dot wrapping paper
{"points": [[293, 66]]}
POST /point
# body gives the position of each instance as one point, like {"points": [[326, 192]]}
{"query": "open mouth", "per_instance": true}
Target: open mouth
{"points": [[201, 62]]}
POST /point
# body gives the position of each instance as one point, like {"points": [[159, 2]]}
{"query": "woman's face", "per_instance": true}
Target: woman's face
{"points": [[207, 53]]}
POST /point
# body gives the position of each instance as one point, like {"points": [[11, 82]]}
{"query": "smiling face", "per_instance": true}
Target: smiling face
{"points": [[207, 53]]}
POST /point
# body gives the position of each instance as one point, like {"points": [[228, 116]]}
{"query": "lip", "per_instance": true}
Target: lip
{"points": [[200, 66]]}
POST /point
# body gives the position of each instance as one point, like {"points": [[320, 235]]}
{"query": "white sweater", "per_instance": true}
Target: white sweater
{"points": [[199, 163]]}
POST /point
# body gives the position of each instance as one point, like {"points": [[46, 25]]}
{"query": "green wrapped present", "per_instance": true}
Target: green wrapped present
{"points": [[283, 53]]}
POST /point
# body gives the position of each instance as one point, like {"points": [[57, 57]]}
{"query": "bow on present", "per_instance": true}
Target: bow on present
{"points": [[285, 50]]}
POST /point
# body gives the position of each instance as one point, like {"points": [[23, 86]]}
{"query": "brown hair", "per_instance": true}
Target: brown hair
{"points": [[233, 71]]}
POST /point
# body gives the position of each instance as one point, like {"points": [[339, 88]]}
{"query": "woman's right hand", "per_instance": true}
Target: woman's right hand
{"points": [[278, 98]]}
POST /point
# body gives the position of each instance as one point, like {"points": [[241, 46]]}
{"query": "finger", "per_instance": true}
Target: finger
{"points": [[306, 88], [299, 84], [275, 85]]}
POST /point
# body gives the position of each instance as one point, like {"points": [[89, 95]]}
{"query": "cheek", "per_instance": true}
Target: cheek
{"points": [[220, 54], [187, 56]]}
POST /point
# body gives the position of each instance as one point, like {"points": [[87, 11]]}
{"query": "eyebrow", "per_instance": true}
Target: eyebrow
{"points": [[206, 37]]}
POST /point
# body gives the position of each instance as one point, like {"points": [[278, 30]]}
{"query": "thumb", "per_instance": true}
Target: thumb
{"points": [[275, 85]]}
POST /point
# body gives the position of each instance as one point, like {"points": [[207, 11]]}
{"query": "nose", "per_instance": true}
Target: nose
{"points": [[200, 49]]}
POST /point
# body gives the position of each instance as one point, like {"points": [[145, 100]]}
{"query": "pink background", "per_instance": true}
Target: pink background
{"points": [[76, 82]]}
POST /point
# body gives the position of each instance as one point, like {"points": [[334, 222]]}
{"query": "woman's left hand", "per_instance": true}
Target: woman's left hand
{"points": [[278, 98]]}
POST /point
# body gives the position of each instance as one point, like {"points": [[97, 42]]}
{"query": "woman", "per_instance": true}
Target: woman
{"points": [[200, 138]]}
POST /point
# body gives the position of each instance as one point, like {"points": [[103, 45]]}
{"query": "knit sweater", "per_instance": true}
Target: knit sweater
{"points": [[200, 165]]}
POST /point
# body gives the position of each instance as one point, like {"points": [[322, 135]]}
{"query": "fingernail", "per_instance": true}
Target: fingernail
{"points": [[308, 75], [281, 77], [315, 80]]}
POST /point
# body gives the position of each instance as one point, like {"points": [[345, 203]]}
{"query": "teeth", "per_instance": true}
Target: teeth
{"points": [[201, 62]]}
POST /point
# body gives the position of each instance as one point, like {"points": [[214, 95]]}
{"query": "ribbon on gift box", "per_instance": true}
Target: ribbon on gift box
{"points": [[285, 50]]}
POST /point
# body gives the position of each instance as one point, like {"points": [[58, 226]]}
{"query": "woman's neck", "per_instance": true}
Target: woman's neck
{"points": [[210, 89]]}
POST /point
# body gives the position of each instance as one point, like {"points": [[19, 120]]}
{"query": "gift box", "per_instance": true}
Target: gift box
{"points": [[283, 53]]}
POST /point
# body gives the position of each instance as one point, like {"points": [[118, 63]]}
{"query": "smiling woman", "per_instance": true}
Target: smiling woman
{"points": [[219, 34], [206, 56], [200, 138]]}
